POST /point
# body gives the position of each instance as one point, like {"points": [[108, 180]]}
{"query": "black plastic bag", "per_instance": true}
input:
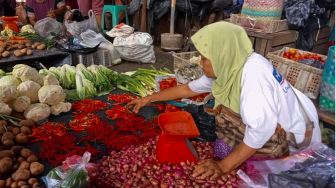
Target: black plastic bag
{"points": [[205, 122]]}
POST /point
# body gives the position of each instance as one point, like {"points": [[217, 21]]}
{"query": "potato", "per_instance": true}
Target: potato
{"points": [[28, 44], [8, 135], [2, 49], [8, 142], [24, 165], [21, 174], [31, 181], [21, 42], [18, 53], [32, 158], [20, 159], [16, 149], [21, 46], [21, 138], [41, 47], [24, 186], [36, 185], [6, 153], [5, 54], [16, 130], [2, 183], [29, 52], [14, 184], [15, 166], [6, 165], [36, 168], [25, 130], [21, 183], [9, 129], [26, 152], [9, 181], [9, 48], [27, 123], [24, 51]]}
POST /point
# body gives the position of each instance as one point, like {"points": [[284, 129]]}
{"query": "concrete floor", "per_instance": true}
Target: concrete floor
{"points": [[163, 60]]}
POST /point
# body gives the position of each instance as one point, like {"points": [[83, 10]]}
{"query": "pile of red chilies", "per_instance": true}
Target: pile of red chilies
{"points": [[129, 129]]}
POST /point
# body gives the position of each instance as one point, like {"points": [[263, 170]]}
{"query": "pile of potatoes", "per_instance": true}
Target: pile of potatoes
{"points": [[19, 48], [19, 167]]}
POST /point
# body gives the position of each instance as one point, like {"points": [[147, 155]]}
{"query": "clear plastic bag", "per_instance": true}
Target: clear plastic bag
{"points": [[76, 172], [76, 28], [311, 167], [49, 27]]}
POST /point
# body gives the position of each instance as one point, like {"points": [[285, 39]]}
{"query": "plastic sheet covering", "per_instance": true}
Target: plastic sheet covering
{"points": [[311, 167]]}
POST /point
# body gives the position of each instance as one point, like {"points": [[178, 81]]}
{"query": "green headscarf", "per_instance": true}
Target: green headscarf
{"points": [[227, 46]]}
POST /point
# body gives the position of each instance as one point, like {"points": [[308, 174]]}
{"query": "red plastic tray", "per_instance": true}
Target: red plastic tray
{"points": [[179, 124]]}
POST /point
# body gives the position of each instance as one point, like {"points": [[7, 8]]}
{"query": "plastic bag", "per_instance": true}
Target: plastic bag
{"points": [[75, 172], [48, 27], [327, 90], [76, 28], [121, 30], [92, 39], [137, 47], [315, 163]]}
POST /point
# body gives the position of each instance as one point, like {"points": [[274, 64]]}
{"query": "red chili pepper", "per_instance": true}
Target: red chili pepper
{"points": [[88, 106], [121, 98], [82, 121], [167, 83], [117, 112], [47, 131]]}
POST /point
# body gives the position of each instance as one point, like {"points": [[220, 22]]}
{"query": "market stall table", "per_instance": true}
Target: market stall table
{"points": [[49, 57]]}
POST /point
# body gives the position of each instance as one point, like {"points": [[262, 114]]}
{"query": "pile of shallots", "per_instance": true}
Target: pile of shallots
{"points": [[136, 166]]}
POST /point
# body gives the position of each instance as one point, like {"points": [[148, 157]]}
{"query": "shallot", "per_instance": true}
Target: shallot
{"points": [[136, 166]]}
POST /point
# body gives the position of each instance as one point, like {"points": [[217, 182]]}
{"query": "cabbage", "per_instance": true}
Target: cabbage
{"points": [[85, 88], [102, 82], [9, 81], [50, 80], [37, 112], [30, 89], [5, 109], [86, 73], [8, 93], [60, 108], [51, 94], [2, 73], [21, 103], [25, 72]]}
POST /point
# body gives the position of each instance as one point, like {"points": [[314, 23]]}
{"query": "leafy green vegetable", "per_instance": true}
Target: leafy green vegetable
{"points": [[85, 88]]}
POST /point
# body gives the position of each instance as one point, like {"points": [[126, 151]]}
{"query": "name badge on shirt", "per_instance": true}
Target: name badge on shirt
{"points": [[283, 83]]}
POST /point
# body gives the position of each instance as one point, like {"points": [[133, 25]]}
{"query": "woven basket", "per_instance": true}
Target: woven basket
{"points": [[183, 59], [303, 77], [258, 25]]}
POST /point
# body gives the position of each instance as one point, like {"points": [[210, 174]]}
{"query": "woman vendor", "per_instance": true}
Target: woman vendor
{"points": [[39, 9], [257, 111]]}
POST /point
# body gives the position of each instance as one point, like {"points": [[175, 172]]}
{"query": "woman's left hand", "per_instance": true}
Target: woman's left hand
{"points": [[208, 168]]}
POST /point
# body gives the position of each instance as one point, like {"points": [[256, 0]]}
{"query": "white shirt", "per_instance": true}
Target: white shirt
{"points": [[267, 99]]}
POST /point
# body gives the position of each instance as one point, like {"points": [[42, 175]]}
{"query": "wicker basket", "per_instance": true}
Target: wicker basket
{"points": [[182, 59], [259, 25], [303, 77]]}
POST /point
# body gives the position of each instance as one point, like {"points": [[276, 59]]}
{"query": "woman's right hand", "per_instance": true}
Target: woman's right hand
{"points": [[137, 104]]}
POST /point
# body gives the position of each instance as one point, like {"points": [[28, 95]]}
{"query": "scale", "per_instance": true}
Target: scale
{"points": [[174, 145]]}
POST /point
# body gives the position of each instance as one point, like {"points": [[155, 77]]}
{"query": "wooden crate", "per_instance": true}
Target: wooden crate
{"points": [[260, 25], [268, 42], [321, 45]]}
